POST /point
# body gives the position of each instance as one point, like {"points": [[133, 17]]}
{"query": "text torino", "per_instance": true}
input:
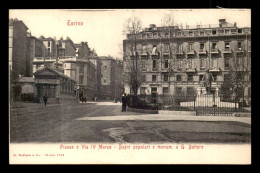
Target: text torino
{"points": [[75, 23]]}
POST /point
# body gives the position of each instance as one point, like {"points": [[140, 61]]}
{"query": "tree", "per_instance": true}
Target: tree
{"points": [[132, 28], [168, 21], [238, 77]]}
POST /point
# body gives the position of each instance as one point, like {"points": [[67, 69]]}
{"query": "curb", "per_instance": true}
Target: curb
{"points": [[241, 114], [181, 113], [186, 113], [142, 110]]}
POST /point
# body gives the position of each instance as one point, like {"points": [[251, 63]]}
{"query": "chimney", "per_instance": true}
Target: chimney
{"points": [[222, 22], [235, 24]]}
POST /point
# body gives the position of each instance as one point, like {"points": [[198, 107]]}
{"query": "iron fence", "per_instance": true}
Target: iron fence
{"points": [[208, 104]]}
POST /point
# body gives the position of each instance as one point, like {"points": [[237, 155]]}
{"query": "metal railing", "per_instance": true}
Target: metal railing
{"points": [[208, 104]]}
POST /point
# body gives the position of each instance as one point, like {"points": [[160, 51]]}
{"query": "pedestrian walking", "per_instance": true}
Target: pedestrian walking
{"points": [[45, 99], [124, 102]]}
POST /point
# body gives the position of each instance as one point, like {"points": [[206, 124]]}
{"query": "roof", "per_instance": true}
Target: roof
{"points": [[54, 71], [71, 42], [26, 80], [14, 21]]}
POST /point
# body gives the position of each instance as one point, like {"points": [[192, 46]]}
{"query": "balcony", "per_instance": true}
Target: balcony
{"points": [[190, 52], [227, 50], [214, 70], [202, 51], [214, 51]]}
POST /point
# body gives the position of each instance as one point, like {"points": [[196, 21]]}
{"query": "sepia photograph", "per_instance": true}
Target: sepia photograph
{"points": [[129, 86]]}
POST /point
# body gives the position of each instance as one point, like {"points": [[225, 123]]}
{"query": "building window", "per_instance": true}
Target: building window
{"points": [[190, 33], [214, 32], [202, 63], [178, 90], [200, 77], [49, 50], [154, 78], [143, 35], [49, 44], [143, 64], [208, 32], [233, 31], [190, 91], [214, 63], [144, 49], [105, 80], [180, 47], [149, 35], [49, 90], [179, 33], [214, 46], [142, 90], [166, 34], [226, 62], [155, 35], [154, 89], [227, 45], [154, 64], [214, 77], [143, 78], [227, 31], [190, 77], [190, 46], [239, 45], [80, 79], [202, 45], [105, 67], [202, 33], [165, 78], [189, 64], [166, 47], [165, 90], [166, 64], [178, 78], [239, 31], [179, 64]]}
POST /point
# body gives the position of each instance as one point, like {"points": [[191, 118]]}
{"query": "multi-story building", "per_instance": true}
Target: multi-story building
{"points": [[17, 49], [111, 72], [35, 48], [97, 63], [82, 50], [75, 67], [173, 60]]}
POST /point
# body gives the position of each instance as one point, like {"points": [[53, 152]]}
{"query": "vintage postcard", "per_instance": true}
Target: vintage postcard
{"points": [[130, 86]]}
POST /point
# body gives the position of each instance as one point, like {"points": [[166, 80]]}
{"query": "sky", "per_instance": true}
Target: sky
{"points": [[103, 28]]}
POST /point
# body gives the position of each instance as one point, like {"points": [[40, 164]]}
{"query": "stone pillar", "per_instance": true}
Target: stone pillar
{"points": [[198, 91], [216, 92]]}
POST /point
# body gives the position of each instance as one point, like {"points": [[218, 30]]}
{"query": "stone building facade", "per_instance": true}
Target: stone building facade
{"points": [[173, 61], [18, 59], [58, 87], [110, 82]]}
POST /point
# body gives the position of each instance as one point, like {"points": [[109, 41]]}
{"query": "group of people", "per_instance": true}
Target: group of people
{"points": [[125, 101]]}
